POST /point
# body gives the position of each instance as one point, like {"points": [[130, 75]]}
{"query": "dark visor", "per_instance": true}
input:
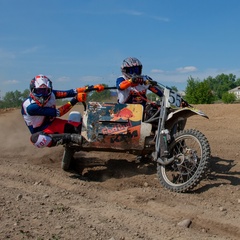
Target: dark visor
{"points": [[42, 91], [137, 70]]}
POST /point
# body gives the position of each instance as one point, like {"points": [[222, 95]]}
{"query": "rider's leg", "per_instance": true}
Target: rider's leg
{"points": [[41, 139], [59, 132]]}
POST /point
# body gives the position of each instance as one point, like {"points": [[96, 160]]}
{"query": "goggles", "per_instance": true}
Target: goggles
{"points": [[134, 70], [42, 92]]}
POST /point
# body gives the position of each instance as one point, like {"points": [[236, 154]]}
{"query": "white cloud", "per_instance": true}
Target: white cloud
{"points": [[10, 82], [63, 79], [132, 12], [160, 18], [186, 69], [137, 13], [157, 71]]}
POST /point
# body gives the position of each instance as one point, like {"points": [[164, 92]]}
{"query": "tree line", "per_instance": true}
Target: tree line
{"points": [[14, 99], [208, 91], [211, 89]]}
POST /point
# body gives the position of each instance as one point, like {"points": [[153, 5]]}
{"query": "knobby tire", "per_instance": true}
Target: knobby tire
{"points": [[192, 150]]}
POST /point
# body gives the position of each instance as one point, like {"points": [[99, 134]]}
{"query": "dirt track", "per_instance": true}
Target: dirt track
{"points": [[122, 199]]}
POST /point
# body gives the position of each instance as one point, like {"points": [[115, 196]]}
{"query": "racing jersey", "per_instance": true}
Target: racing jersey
{"points": [[135, 93], [37, 118]]}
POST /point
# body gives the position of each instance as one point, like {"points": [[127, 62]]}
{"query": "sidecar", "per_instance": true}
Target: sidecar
{"points": [[114, 127], [111, 127], [158, 131]]}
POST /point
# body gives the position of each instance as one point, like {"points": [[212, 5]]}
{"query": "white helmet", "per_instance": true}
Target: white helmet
{"points": [[131, 66], [41, 89]]}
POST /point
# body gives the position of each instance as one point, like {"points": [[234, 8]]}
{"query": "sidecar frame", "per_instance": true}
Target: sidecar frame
{"points": [[114, 127]]}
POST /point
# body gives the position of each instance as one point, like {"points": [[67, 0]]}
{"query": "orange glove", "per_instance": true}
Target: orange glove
{"points": [[99, 87], [81, 97], [79, 90], [137, 80]]}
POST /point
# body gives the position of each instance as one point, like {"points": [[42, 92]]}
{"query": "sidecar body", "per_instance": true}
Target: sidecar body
{"points": [[114, 126]]}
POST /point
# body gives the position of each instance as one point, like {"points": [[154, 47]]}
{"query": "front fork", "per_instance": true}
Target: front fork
{"points": [[161, 154]]}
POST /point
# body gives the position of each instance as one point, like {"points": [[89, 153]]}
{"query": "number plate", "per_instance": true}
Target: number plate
{"points": [[174, 99]]}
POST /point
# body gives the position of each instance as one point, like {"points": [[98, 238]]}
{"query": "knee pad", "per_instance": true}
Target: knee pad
{"points": [[40, 140]]}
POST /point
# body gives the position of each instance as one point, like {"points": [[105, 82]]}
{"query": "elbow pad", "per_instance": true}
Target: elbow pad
{"points": [[125, 84]]}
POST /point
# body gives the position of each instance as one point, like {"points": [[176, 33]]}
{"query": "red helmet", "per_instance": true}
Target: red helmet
{"points": [[41, 89], [131, 66]]}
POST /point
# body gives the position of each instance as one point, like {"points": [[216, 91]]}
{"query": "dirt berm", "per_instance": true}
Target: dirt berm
{"points": [[118, 198]]}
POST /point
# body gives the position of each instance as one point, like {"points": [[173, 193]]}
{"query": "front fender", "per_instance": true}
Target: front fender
{"points": [[181, 115]]}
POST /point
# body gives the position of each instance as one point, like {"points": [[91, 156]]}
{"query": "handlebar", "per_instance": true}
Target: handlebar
{"points": [[94, 89], [147, 82]]}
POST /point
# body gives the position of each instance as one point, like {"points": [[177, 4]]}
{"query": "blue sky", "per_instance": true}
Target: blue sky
{"points": [[77, 43]]}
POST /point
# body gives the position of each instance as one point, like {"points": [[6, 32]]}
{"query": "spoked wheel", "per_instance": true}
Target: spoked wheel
{"points": [[67, 157], [191, 151]]}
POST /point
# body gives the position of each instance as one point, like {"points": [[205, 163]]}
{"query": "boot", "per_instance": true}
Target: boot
{"points": [[60, 139], [65, 138], [76, 138]]}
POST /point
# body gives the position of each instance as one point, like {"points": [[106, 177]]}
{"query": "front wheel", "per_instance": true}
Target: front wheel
{"points": [[67, 157], [191, 151]]}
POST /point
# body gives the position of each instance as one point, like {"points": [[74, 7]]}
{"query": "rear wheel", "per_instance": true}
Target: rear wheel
{"points": [[67, 157], [191, 151]]}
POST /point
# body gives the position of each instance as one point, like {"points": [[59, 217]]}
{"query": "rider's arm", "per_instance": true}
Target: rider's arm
{"points": [[35, 110], [123, 84], [156, 90], [81, 97], [65, 94], [97, 87]]}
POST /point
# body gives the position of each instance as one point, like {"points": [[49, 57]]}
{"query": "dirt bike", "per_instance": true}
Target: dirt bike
{"points": [[156, 131]]}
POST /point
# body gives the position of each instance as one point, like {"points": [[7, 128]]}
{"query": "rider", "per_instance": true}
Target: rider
{"points": [[132, 86], [41, 115]]}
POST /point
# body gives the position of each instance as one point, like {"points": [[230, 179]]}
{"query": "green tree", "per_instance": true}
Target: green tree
{"points": [[198, 92], [222, 83], [12, 99], [25, 93], [237, 83], [152, 96], [99, 96], [228, 97], [174, 88]]}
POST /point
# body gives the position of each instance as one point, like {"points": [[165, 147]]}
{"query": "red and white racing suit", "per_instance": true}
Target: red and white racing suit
{"points": [[42, 121]]}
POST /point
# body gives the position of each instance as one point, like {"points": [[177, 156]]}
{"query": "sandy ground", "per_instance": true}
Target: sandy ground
{"points": [[118, 198]]}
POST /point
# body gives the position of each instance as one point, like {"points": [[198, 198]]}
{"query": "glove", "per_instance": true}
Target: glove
{"points": [[137, 80], [85, 89], [82, 89], [99, 87], [81, 97], [184, 103]]}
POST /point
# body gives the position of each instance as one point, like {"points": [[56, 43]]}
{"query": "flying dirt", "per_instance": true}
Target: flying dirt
{"points": [[112, 195]]}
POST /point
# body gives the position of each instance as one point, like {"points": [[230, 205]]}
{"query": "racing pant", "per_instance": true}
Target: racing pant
{"points": [[57, 133]]}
